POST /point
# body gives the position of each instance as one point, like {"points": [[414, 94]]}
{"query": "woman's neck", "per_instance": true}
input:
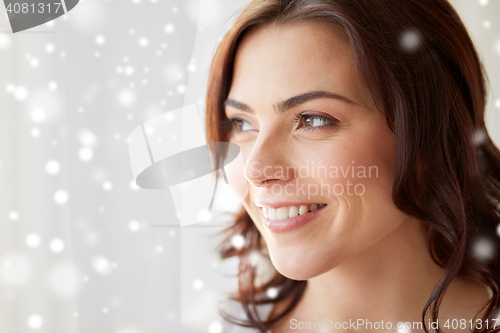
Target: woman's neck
{"points": [[390, 281]]}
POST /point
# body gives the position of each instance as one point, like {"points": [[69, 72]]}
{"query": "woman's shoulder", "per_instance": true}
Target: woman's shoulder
{"points": [[217, 323]]}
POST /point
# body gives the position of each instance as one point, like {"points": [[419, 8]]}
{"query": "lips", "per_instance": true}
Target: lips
{"points": [[286, 216]]}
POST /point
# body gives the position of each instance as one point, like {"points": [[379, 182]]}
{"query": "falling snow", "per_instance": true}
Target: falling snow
{"points": [[53, 86], [107, 186], [143, 42], [198, 284], [87, 138], [20, 93], [35, 132], [215, 327], [33, 240], [404, 328], [272, 292], [238, 241], [52, 167], [61, 197], [101, 265], [479, 137], [410, 40], [85, 154], [169, 28], [181, 89], [34, 62], [497, 46], [483, 249], [134, 226], [49, 48], [126, 98], [4, 42], [13, 215], [100, 40], [129, 70], [35, 321], [56, 245], [133, 185], [38, 115], [254, 258], [10, 88]]}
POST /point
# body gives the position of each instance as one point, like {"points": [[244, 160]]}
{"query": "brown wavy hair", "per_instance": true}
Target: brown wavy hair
{"points": [[431, 89]]}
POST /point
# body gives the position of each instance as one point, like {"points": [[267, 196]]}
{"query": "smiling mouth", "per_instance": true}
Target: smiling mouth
{"points": [[285, 212]]}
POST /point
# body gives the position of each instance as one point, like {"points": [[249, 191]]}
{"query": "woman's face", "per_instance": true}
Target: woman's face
{"points": [[319, 156]]}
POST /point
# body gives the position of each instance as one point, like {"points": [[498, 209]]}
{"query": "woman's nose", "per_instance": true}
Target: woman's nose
{"points": [[267, 163]]}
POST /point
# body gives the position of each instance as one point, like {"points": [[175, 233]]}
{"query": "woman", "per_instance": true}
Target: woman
{"points": [[371, 178]]}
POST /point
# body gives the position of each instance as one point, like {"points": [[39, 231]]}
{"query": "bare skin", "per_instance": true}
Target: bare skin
{"points": [[362, 257], [382, 284]]}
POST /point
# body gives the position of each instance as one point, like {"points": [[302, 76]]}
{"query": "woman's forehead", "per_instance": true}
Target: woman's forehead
{"points": [[293, 58], [301, 42]]}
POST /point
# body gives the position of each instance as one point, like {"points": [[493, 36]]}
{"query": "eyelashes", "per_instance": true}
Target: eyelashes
{"points": [[237, 125], [310, 122], [305, 121]]}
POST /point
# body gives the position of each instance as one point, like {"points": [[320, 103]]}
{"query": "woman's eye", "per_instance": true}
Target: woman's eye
{"points": [[240, 125], [313, 121]]}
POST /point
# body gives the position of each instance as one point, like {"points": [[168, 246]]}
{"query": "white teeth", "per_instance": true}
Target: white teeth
{"points": [[282, 213], [285, 212], [304, 209], [272, 214]]}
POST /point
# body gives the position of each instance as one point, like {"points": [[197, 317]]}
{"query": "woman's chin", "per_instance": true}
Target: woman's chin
{"points": [[295, 275], [296, 267]]}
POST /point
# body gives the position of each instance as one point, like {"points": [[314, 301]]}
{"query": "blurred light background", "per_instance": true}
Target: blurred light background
{"points": [[78, 252]]}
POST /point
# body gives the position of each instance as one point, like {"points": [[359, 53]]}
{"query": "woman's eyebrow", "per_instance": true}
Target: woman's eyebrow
{"points": [[291, 102]]}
